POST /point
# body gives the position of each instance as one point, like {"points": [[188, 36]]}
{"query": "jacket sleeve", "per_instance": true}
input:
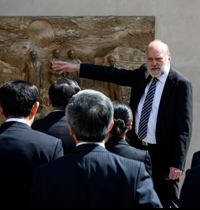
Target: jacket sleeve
{"points": [[109, 74], [146, 197], [183, 129]]}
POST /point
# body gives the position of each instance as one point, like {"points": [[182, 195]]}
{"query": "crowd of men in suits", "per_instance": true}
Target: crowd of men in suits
{"points": [[63, 161]]}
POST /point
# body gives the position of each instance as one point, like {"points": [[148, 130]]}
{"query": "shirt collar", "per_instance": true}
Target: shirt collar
{"points": [[97, 143], [162, 78], [17, 120], [58, 110]]}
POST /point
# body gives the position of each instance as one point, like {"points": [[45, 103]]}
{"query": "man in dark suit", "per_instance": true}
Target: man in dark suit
{"points": [[55, 123], [195, 159], [190, 191], [91, 176], [169, 125], [21, 148]]}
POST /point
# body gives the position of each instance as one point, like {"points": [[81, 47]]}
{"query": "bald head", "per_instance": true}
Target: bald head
{"points": [[158, 58], [159, 45]]}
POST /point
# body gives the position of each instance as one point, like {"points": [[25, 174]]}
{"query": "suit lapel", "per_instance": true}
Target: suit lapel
{"points": [[165, 95], [140, 90]]}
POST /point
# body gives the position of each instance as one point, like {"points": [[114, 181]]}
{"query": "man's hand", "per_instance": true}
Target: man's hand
{"points": [[174, 173], [65, 66]]}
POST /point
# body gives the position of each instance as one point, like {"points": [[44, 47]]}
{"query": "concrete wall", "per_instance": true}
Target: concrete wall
{"points": [[177, 24]]}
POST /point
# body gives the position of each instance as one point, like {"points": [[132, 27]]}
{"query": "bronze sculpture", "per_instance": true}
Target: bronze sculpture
{"points": [[115, 90], [33, 72], [72, 59], [53, 76]]}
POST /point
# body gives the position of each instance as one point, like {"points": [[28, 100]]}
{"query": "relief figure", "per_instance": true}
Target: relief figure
{"points": [[53, 75], [33, 72], [72, 59], [115, 90]]}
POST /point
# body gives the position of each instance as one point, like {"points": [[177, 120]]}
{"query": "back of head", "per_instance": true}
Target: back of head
{"points": [[18, 97], [123, 117], [90, 114], [62, 90]]}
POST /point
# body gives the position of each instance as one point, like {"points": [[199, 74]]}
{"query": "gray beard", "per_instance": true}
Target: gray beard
{"points": [[161, 71]]}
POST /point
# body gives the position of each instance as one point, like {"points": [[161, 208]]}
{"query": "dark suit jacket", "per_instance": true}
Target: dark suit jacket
{"points": [[21, 151], [56, 124], [190, 192], [91, 176], [174, 121], [119, 146], [195, 159]]}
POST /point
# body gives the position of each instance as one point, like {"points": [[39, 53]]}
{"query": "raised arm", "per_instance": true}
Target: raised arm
{"points": [[102, 73]]}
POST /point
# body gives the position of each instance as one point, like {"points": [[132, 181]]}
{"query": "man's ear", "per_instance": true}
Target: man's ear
{"points": [[169, 57], [35, 108], [130, 127], [71, 132], [111, 126], [49, 101], [2, 113], [1, 110]]}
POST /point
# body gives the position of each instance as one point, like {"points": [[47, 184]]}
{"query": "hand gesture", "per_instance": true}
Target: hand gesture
{"points": [[65, 66]]}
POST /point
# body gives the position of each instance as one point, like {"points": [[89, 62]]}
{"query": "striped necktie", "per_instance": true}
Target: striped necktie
{"points": [[146, 110]]}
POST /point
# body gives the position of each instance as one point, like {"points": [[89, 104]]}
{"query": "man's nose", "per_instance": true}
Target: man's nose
{"points": [[154, 62]]}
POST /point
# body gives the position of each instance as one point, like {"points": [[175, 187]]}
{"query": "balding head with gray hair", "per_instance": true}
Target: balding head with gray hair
{"points": [[159, 42], [90, 114]]}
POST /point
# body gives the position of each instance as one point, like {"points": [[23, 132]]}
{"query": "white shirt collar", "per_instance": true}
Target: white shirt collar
{"points": [[97, 143], [17, 120], [58, 110], [162, 78]]}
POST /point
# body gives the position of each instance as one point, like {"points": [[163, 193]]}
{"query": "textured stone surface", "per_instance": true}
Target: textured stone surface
{"points": [[92, 38]]}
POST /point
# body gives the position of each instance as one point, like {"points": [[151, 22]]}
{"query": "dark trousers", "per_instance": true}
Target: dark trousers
{"points": [[167, 190]]}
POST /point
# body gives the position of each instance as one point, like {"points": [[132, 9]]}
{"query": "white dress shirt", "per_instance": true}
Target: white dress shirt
{"points": [[151, 127]]}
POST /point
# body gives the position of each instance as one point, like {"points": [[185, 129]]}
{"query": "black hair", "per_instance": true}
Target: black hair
{"points": [[18, 97], [122, 118], [62, 90]]}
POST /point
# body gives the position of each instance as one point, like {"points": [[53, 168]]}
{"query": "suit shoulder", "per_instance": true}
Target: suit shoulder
{"points": [[40, 124], [43, 136], [197, 153], [125, 159], [195, 159], [142, 152], [178, 76], [194, 173], [39, 121]]}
